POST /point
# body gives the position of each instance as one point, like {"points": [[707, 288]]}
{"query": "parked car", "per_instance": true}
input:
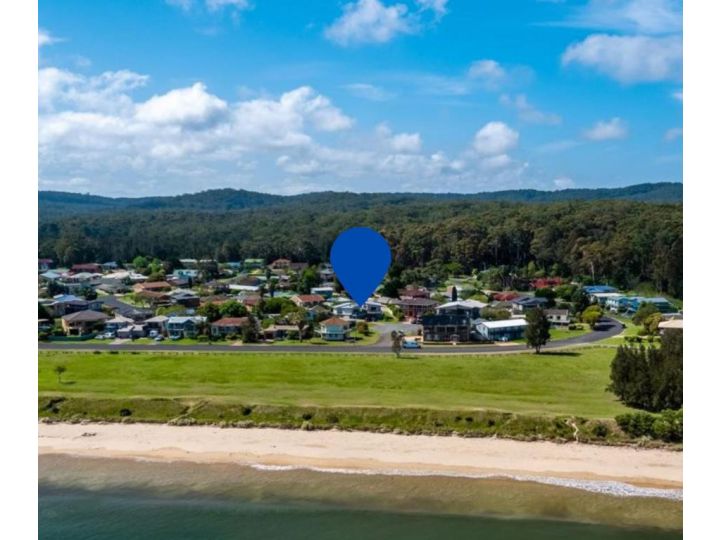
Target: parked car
{"points": [[153, 334], [100, 336], [411, 344], [158, 338], [174, 338]]}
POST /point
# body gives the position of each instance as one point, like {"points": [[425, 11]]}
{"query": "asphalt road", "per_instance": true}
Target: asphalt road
{"points": [[605, 328]]}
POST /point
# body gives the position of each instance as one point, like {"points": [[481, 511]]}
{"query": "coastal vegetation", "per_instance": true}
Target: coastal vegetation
{"points": [[649, 377]]}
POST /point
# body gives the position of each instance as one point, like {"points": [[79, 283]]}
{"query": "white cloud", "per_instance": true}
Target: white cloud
{"points": [[527, 112], [107, 91], [637, 16], [316, 108], [612, 129], [400, 142], [438, 7], [216, 5], [187, 139], [369, 21], [213, 6], [45, 38], [673, 134], [490, 72], [629, 59], [496, 162], [563, 182], [369, 92], [192, 106], [495, 138]]}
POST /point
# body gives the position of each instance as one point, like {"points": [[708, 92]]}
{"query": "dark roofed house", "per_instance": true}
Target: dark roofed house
{"points": [[592, 289], [412, 308], [446, 327], [228, 325], [526, 303], [64, 304], [126, 310], [414, 292], [83, 322], [91, 268]]}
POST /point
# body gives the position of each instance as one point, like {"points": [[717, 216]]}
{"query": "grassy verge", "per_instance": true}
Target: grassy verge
{"points": [[411, 421], [553, 383], [557, 396], [356, 338]]}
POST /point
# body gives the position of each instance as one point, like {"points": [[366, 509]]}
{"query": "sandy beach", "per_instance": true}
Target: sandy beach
{"points": [[367, 452]]}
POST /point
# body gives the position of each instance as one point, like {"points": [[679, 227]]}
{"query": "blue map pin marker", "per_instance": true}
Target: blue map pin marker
{"points": [[360, 257]]}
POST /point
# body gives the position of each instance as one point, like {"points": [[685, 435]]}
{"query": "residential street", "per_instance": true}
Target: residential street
{"points": [[606, 328]]}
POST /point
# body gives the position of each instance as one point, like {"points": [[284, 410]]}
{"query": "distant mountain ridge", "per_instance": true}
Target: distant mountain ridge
{"points": [[55, 204]]}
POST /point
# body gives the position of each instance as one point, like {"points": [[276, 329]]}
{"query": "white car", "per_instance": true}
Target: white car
{"points": [[411, 344]]}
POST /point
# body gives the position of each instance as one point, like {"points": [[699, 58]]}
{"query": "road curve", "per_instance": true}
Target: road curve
{"points": [[605, 328]]}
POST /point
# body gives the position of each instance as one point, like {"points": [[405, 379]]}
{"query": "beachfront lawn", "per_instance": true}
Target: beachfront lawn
{"points": [[553, 383]]}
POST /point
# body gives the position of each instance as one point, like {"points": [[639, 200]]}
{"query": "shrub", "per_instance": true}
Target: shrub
{"points": [[125, 412], [202, 339], [600, 430], [669, 426], [638, 424]]}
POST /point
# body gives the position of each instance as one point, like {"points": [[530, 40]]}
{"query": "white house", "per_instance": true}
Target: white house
{"points": [[502, 330], [558, 317]]}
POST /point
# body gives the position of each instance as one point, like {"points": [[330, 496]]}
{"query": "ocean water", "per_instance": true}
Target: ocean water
{"points": [[124, 499]]}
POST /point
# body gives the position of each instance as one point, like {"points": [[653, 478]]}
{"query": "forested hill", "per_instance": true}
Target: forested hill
{"points": [[55, 204], [618, 241]]}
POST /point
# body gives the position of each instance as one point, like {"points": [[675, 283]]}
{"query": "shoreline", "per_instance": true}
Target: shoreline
{"points": [[620, 471]]}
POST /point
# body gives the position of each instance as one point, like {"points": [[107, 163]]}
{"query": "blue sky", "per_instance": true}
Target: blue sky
{"points": [[165, 97]]}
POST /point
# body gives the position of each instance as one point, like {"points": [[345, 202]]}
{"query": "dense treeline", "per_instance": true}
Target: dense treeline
{"points": [[622, 242], [54, 204], [650, 378]]}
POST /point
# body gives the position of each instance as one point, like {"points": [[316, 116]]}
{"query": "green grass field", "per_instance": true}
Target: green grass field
{"points": [[553, 383]]}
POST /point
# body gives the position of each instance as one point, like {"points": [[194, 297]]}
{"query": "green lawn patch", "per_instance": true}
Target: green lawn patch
{"points": [[553, 383]]}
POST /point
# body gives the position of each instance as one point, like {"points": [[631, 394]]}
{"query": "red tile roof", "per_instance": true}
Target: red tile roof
{"points": [[231, 321], [335, 321], [310, 298]]}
